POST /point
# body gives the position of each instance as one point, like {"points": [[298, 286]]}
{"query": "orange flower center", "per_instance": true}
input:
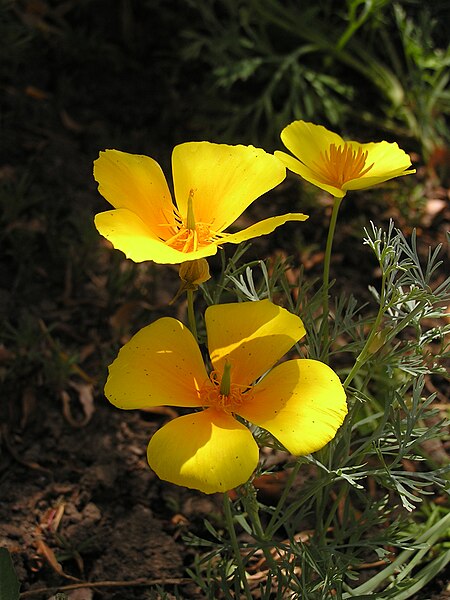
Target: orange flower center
{"points": [[214, 396], [340, 164], [190, 240], [189, 235]]}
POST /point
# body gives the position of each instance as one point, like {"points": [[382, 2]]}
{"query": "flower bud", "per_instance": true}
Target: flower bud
{"points": [[378, 341], [194, 272]]}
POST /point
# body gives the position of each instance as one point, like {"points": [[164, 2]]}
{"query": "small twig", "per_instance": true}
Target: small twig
{"points": [[95, 584], [372, 565]]}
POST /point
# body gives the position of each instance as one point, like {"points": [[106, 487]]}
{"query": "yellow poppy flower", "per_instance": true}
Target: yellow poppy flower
{"points": [[301, 402], [213, 185], [324, 159]]}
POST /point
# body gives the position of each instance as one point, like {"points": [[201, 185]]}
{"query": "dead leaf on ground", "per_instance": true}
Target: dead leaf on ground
{"points": [[85, 392], [70, 123], [5, 354], [4, 436], [28, 405], [36, 93], [81, 594], [50, 557], [125, 314], [52, 517]]}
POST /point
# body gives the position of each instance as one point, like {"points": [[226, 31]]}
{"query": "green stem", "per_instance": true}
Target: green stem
{"points": [[191, 313], [252, 508], [366, 352], [326, 277], [283, 498], [235, 545]]}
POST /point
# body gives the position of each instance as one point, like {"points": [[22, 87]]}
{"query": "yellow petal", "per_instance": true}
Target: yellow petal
{"points": [[208, 451], [386, 157], [306, 141], [128, 233], [137, 183], [161, 364], [301, 402], [388, 161], [262, 228], [251, 336], [308, 174], [224, 179]]}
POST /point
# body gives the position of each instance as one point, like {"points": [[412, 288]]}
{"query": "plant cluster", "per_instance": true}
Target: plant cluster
{"points": [[268, 62], [365, 471]]}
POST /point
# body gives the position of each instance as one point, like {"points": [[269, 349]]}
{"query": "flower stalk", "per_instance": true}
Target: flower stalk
{"points": [[250, 502], [191, 314], [326, 278], [235, 545]]}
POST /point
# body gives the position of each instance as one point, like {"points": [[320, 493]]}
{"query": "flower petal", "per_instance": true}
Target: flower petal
{"points": [[208, 451], [307, 141], [388, 161], [386, 157], [301, 402], [137, 183], [161, 364], [224, 179], [262, 228], [252, 336], [366, 182], [128, 233], [308, 174]]}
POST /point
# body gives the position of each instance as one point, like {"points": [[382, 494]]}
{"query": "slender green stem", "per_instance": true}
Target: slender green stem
{"points": [[252, 508], [191, 313], [283, 498], [235, 545], [366, 351], [326, 277]]}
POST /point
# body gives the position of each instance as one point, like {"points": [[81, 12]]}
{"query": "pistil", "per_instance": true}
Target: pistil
{"points": [[190, 236], [225, 384], [190, 218], [223, 394]]}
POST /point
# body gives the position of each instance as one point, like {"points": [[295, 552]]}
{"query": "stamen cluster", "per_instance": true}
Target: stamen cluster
{"points": [[211, 394], [340, 164], [190, 235]]}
